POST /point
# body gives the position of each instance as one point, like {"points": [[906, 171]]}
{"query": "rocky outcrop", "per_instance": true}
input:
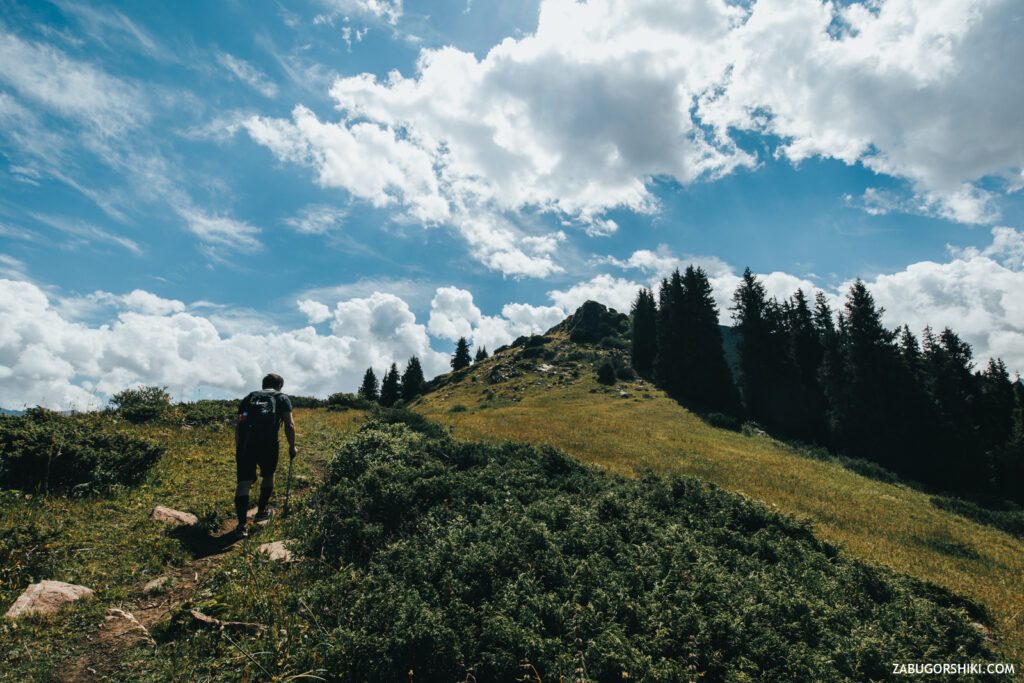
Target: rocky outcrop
{"points": [[593, 322], [47, 597]]}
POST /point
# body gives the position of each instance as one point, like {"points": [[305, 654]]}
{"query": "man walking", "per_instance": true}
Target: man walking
{"points": [[256, 445]]}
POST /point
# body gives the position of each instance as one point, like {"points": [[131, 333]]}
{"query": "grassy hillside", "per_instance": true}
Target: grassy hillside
{"points": [[110, 544], [553, 398]]}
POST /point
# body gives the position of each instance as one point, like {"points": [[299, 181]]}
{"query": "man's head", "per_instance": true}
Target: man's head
{"points": [[273, 381]]}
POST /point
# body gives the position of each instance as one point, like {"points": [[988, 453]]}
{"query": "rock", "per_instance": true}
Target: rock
{"points": [[276, 551], [156, 585], [46, 597], [593, 322], [171, 516]]}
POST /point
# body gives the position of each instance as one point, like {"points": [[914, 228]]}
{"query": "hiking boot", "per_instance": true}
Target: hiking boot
{"points": [[263, 515], [241, 531]]}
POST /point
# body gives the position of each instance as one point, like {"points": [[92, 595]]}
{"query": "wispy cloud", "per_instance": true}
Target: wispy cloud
{"points": [[248, 74], [85, 233], [222, 233]]}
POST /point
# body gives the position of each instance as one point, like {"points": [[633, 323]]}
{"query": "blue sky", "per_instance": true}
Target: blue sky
{"points": [[180, 177]]}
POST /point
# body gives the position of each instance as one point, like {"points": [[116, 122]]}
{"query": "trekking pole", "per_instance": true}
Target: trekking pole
{"points": [[288, 487]]}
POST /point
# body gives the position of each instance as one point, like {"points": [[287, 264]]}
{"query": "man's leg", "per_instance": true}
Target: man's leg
{"points": [[242, 501], [266, 489]]}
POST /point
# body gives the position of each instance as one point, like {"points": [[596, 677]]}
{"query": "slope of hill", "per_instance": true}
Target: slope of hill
{"points": [[544, 391]]}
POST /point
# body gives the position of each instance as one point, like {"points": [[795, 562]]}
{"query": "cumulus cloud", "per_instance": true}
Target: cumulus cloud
{"points": [[453, 314], [605, 96], [49, 357]]}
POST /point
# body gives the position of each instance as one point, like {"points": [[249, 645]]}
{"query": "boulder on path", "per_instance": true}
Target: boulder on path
{"points": [[46, 597], [171, 516], [156, 585], [276, 551]]}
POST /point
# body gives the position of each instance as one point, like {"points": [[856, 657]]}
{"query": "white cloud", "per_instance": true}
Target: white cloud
{"points": [[83, 233], [614, 292], [318, 219], [606, 96], [45, 75], [389, 11], [453, 314], [975, 295], [315, 311], [1007, 249], [220, 233], [248, 74], [48, 357]]}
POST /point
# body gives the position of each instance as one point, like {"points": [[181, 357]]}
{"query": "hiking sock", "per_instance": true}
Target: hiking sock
{"points": [[241, 508]]}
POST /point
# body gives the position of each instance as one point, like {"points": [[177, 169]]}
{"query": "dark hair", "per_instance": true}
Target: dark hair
{"points": [[273, 381]]}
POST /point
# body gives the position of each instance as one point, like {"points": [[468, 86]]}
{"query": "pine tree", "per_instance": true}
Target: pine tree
{"points": [[667, 361], [369, 390], [413, 382], [705, 380], [766, 374], [390, 389], [644, 333], [481, 354], [461, 358], [806, 355]]}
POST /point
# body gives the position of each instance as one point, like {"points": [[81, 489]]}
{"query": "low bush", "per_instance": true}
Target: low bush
{"points": [[141, 404], [344, 401], [201, 413], [606, 373], [44, 451], [448, 558], [723, 421]]}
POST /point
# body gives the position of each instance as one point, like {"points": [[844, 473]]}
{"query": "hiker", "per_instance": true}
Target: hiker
{"points": [[256, 444]]}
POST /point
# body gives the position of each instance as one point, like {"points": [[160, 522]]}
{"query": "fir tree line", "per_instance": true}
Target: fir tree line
{"points": [[394, 387], [839, 380]]}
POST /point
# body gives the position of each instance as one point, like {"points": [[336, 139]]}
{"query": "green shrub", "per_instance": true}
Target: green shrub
{"points": [[141, 404], [52, 453], [606, 373], [205, 412], [458, 408], [439, 557], [626, 373], [344, 401], [723, 421]]}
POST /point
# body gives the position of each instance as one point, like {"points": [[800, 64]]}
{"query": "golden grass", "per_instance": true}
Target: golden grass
{"points": [[887, 524]]}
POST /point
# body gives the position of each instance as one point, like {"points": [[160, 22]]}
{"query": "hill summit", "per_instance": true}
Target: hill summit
{"points": [[593, 322]]}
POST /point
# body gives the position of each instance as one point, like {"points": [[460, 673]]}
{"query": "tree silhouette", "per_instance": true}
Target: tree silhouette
{"points": [[481, 354], [644, 333], [369, 390], [461, 358], [390, 389], [413, 382]]}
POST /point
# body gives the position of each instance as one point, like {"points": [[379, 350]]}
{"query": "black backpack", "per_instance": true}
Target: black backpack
{"points": [[261, 417]]}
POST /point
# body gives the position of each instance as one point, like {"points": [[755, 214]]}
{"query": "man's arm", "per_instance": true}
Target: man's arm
{"points": [[289, 432]]}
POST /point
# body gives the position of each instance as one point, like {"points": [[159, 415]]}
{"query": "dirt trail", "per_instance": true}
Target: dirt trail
{"points": [[128, 625]]}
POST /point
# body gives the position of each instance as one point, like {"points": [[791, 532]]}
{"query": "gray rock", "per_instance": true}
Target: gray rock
{"points": [[276, 551], [156, 585], [171, 516], [46, 597]]}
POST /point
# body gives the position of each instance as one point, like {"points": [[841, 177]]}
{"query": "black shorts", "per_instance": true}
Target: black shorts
{"points": [[248, 459]]}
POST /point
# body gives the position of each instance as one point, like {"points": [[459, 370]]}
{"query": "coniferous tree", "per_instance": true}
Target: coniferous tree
{"points": [[413, 381], [461, 358], [766, 374], [667, 361], [390, 389], [806, 354], [705, 380], [481, 354], [644, 333], [369, 390]]}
